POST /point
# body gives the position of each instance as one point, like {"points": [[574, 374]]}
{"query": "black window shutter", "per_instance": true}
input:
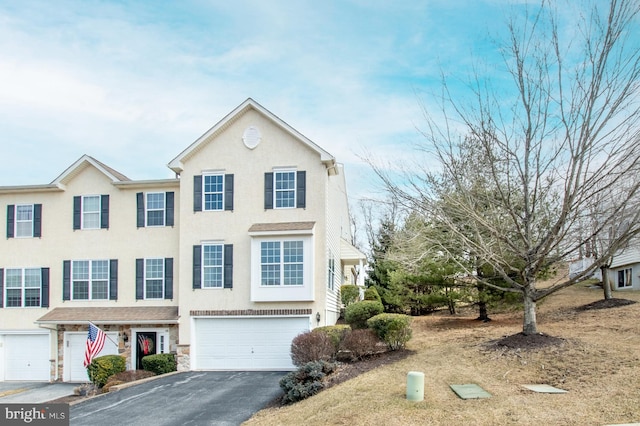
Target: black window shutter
{"points": [[44, 292], [268, 191], [139, 279], [113, 279], [37, 220], [77, 212], [228, 192], [228, 266], [11, 217], [140, 210], [301, 191], [168, 278], [104, 212], [197, 193], [170, 201], [66, 280], [1, 287], [197, 267]]}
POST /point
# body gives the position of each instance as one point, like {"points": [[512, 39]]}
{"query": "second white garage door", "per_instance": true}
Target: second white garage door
{"points": [[245, 343], [26, 357]]}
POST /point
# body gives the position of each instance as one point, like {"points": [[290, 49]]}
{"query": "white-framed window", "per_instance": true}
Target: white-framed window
{"points": [[24, 220], [212, 266], [625, 278], [90, 280], [284, 183], [22, 287], [154, 278], [156, 208], [213, 191], [331, 272], [282, 263], [90, 212]]}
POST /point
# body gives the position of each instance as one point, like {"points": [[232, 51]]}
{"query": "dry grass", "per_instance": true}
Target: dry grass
{"points": [[597, 363]]}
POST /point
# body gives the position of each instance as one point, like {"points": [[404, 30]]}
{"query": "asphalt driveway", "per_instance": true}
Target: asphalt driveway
{"points": [[192, 398]]}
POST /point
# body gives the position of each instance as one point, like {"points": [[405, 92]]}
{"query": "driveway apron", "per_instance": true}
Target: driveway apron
{"points": [[193, 398]]}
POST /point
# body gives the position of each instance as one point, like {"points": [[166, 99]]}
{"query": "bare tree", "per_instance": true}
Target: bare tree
{"points": [[558, 135]]}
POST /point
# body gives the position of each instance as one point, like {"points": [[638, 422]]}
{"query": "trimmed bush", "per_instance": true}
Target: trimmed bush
{"points": [[349, 294], [103, 367], [357, 314], [310, 346], [371, 293], [359, 344], [393, 329], [306, 381], [336, 333], [160, 363]]}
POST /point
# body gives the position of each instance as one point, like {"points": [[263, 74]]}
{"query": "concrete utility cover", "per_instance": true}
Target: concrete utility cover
{"points": [[470, 391], [544, 389]]}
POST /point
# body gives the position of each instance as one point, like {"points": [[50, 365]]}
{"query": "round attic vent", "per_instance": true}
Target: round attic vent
{"points": [[251, 137]]}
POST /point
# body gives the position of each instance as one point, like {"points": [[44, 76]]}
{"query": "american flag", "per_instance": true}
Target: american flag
{"points": [[95, 343]]}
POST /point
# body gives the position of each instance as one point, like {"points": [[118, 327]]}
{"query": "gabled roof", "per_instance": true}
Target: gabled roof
{"points": [[81, 163], [177, 163]]}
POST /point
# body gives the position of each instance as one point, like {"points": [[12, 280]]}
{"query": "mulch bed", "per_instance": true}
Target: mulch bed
{"points": [[606, 304]]}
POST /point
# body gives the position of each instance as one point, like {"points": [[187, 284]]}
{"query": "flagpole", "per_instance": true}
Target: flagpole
{"points": [[105, 334]]}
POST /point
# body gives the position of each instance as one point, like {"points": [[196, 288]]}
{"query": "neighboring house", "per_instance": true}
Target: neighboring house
{"points": [[223, 265], [624, 272]]}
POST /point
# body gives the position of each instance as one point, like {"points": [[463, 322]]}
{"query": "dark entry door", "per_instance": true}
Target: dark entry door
{"points": [[145, 345]]}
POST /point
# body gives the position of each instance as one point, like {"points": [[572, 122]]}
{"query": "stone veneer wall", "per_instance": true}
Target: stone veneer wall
{"points": [[183, 356], [124, 348]]}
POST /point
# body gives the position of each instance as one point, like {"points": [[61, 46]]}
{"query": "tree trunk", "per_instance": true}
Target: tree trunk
{"points": [[606, 285], [530, 325], [483, 314]]}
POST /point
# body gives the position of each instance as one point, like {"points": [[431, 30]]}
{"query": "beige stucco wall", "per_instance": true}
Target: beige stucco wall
{"points": [[226, 152], [59, 242]]}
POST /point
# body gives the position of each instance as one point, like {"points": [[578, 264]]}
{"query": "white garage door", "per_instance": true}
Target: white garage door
{"points": [[246, 343], [74, 348], [26, 357]]}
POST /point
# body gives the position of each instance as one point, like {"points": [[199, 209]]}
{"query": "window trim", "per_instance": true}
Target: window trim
{"points": [[281, 263], [221, 192], [282, 292], [220, 266], [147, 209], [90, 280], [276, 172], [627, 278], [146, 278], [23, 288], [83, 212], [16, 221]]}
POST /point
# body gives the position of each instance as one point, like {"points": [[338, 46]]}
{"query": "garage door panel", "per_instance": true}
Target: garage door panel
{"points": [[26, 357], [246, 343]]}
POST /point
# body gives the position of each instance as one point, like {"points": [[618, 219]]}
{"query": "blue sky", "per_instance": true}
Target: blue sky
{"points": [[132, 83]]}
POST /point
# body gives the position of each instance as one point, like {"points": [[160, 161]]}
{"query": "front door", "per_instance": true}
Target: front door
{"points": [[145, 345]]}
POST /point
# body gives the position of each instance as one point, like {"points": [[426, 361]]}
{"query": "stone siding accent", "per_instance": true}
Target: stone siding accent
{"points": [[183, 357]]}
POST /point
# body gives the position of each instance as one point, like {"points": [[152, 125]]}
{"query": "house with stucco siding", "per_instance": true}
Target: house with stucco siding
{"points": [[222, 265]]}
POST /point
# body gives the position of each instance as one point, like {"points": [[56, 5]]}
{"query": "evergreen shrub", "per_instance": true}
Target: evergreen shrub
{"points": [[393, 329]]}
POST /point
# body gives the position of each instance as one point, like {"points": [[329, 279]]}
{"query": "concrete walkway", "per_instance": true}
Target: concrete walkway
{"points": [[33, 392]]}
